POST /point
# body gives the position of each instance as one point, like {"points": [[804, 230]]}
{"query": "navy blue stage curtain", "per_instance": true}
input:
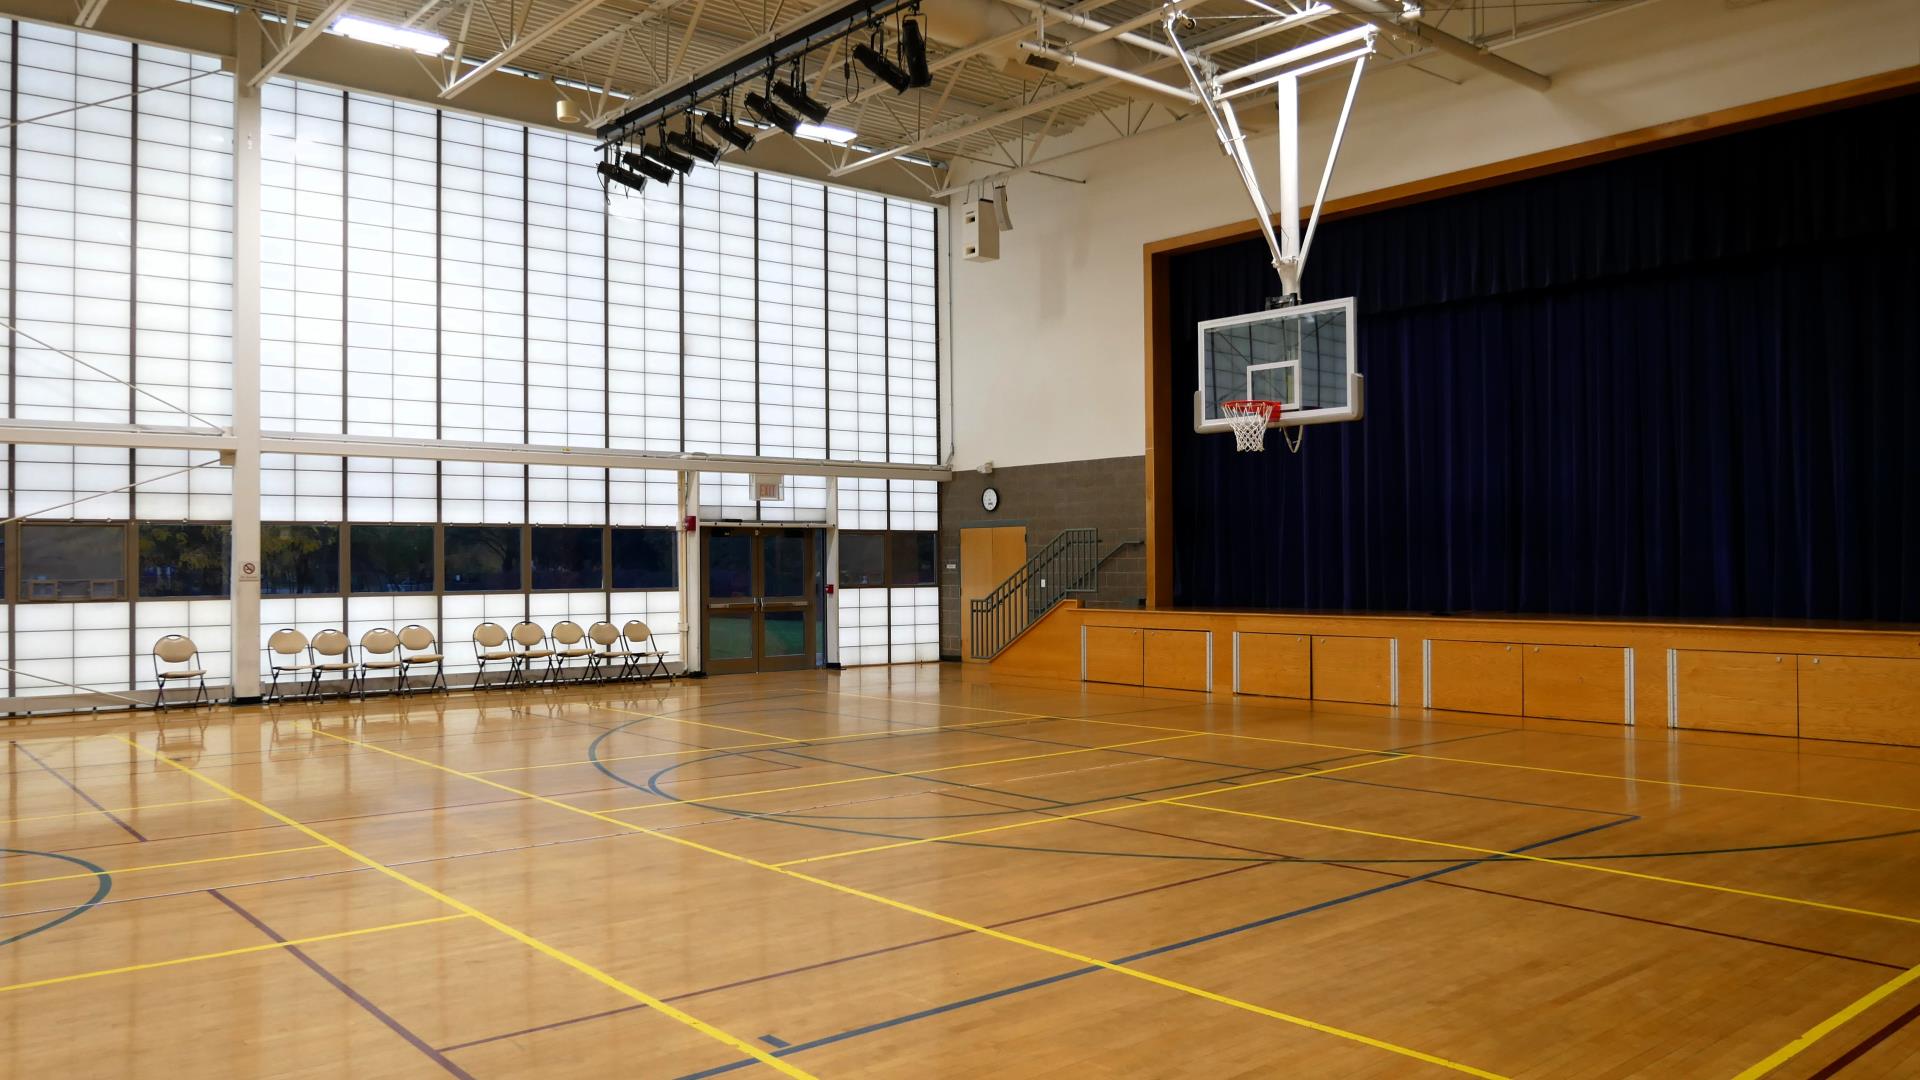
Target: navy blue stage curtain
{"points": [[1684, 383]]}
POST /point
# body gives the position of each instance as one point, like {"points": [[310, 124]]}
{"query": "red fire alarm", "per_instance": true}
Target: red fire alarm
{"points": [[693, 523], [829, 588]]}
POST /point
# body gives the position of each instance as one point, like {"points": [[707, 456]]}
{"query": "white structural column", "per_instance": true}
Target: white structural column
{"points": [[245, 589], [692, 596]]}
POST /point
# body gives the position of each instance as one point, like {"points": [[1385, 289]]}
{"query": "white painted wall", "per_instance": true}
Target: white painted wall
{"points": [[1047, 344]]}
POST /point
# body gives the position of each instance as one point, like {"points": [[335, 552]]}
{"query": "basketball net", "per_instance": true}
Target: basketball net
{"points": [[1249, 419]]}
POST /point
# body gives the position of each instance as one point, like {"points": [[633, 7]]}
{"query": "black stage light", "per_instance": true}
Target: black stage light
{"points": [[774, 114], [693, 145], [914, 47], [652, 169], [797, 100], [883, 69], [618, 175], [724, 127], [681, 163]]}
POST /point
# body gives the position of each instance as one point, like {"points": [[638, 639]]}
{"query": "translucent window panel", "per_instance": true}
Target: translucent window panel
{"points": [[6, 205], [301, 488], [643, 497], [391, 489], [718, 336], [792, 317], [566, 292], [90, 645], [183, 559], [302, 257], [73, 227], [392, 314], [913, 505], [483, 280], [474, 492], [307, 614], [205, 493], [183, 264], [566, 495], [207, 622], [915, 625], [585, 608], [863, 503], [45, 477], [461, 612], [660, 610], [863, 627], [643, 315], [913, 433], [729, 496], [391, 610], [856, 325]]}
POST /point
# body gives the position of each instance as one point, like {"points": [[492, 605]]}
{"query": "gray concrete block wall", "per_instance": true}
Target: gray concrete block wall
{"points": [[1108, 494]]}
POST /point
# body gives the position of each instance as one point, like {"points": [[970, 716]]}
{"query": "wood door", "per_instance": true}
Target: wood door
{"points": [[988, 556]]}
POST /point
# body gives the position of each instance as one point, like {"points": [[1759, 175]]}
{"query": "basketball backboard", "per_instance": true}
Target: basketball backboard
{"points": [[1303, 356]]}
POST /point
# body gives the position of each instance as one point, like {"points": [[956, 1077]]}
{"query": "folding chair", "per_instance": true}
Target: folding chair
{"points": [[417, 649], [287, 654], [641, 648], [569, 643], [178, 649], [379, 651], [605, 636], [332, 651], [490, 647], [531, 638]]}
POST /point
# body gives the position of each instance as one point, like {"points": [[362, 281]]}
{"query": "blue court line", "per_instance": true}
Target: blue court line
{"points": [[103, 884], [775, 1041], [867, 1029]]}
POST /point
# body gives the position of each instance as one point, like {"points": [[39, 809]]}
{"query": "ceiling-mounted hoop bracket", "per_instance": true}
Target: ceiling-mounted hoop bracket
{"points": [[1282, 73]]}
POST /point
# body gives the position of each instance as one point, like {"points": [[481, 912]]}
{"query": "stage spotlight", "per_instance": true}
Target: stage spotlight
{"points": [[773, 114], [883, 69], [913, 45], [659, 152], [688, 143], [724, 127], [648, 167], [797, 100], [618, 175]]}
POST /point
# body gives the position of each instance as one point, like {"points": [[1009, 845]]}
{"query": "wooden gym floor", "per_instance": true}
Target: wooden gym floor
{"points": [[910, 873]]}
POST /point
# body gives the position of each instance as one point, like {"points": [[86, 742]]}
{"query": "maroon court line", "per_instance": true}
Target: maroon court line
{"points": [[354, 995], [78, 790], [1860, 1049]]}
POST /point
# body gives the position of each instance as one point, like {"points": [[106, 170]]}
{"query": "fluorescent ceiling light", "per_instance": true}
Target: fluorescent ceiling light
{"points": [[396, 37], [826, 133]]}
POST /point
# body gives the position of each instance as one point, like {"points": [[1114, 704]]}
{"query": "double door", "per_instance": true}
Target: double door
{"points": [[760, 606]]}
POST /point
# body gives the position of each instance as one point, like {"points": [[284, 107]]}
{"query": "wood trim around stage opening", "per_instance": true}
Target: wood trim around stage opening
{"points": [[1157, 255]]}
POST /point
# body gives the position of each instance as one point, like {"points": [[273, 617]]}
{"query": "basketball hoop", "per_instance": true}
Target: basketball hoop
{"points": [[1249, 420]]}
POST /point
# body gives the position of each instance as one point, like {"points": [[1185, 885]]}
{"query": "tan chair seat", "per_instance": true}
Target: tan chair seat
{"points": [[607, 654], [194, 674], [292, 667], [380, 665], [335, 667], [536, 654], [423, 658], [571, 653], [500, 655]]}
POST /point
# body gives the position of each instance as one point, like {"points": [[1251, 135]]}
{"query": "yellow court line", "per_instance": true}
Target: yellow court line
{"points": [[702, 799], [117, 871], [773, 740], [113, 810], [1576, 864], [242, 951], [1422, 757], [900, 905], [462, 906], [1828, 1026], [1051, 818]]}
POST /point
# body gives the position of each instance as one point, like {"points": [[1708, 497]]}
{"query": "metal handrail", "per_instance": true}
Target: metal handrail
{"points": [[1070, 563]]}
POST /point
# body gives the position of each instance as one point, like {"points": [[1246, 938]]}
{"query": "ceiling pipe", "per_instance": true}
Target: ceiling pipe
{"points": [[1387, 18]]}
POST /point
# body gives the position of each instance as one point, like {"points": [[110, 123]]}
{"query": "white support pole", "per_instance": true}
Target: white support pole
{"points": [[1288, 92], [833, 571], [244, 609], [691, 594]]}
